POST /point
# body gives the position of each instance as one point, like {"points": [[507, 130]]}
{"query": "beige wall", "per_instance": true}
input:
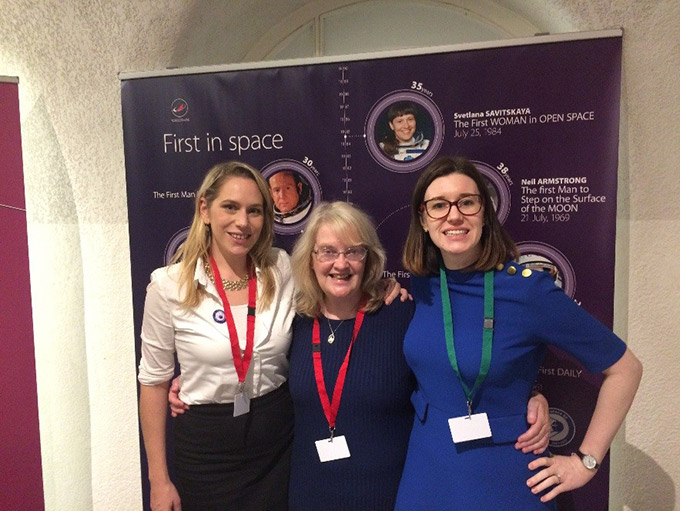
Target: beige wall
{"points": [[67, 54]]}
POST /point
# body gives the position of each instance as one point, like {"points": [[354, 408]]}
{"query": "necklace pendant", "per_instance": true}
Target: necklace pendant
{"points": [[331, 336]]}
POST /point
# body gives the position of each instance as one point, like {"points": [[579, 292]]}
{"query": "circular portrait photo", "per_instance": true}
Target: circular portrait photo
{"points": [[173, 244], [404, 131], [294, 190], [540, 263], [540, 256], [291, 195], [498, 188], [493, 193]]}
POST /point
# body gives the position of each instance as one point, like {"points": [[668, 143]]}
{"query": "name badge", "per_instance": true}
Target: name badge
{"points": [[469, 427], [332, 449], [241, 404]]}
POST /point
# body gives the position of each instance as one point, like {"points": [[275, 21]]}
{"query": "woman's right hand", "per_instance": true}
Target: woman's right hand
{"points": [[393, 290], [164, 497], [177, 406], [537, 437]]}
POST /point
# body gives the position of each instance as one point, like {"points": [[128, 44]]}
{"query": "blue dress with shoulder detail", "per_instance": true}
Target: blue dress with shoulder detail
{"points": [[530, 313]]}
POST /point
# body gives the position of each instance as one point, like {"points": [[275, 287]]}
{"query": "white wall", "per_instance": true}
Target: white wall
{"points": [[67, 54]]}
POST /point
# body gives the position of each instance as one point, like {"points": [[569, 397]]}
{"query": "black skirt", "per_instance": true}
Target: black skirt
{"points": [[225, 463]]}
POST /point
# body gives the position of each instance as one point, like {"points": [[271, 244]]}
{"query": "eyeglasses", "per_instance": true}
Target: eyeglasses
{"points": [[328, 254], [440, 208]]}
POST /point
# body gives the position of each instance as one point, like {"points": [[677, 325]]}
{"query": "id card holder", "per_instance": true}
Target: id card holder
{"points": [[469, 427], [241, 404], [331, 449]]}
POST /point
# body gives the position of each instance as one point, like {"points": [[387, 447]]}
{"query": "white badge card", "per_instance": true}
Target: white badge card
{"points": [[332, 449], [469, 427], [241, 404]]}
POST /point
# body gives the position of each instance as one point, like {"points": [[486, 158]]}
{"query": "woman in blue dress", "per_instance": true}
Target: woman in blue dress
{"points": [[476, 341]]}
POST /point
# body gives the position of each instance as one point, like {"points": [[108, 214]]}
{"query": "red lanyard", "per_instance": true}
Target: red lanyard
{"points": [[241, 364], [331, 409]]}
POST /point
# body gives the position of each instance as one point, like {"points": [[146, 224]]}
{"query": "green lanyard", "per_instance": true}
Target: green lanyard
{"points": [[487, 337]]}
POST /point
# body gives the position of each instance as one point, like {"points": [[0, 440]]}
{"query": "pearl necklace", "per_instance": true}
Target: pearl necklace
{"points": [[228, 285]]}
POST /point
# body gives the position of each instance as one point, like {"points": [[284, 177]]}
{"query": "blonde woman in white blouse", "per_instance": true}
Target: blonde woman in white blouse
{"points": [[225, 308]]}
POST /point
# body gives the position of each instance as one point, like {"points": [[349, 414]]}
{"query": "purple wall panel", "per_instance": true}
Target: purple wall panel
{"points": [[20, 469]]}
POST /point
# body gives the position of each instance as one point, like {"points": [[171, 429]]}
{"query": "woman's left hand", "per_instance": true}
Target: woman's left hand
{"points": [[536, 438], [393, 290], [559, 474]]}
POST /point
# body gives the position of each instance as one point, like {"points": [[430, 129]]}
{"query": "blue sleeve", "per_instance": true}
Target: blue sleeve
{"points": [[558, 321], [421, 290]]}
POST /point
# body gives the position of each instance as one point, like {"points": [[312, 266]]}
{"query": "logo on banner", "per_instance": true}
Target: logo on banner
{"points": [[179, 109], [563, 428]]}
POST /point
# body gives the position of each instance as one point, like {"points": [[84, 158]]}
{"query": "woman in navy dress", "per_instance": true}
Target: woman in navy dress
{"points": [[337, 266], [475, 344]]}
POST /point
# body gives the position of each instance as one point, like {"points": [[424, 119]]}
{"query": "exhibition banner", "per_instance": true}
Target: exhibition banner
{"points": [[539, 118], [21, 467]]}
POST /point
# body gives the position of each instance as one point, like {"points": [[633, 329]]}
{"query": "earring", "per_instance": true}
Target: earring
{"points": [[425, 229]]}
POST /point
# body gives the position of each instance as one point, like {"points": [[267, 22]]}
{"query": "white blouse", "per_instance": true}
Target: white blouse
{"points": [[200, 337]]}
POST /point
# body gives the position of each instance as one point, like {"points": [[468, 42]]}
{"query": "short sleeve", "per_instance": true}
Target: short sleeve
{"points": [[560, 322]]}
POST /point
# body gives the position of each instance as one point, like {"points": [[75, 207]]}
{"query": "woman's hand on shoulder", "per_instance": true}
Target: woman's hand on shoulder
{"points": [[177, 406], [393, 290], [536, 438], [558, 474]]}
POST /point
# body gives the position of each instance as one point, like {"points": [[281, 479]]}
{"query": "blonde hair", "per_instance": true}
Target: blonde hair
{"points": [[197, 244], [354, 227]]}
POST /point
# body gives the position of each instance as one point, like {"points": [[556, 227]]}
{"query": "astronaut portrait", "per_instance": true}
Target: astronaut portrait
{"points": [[291, 196], [404, 136]]}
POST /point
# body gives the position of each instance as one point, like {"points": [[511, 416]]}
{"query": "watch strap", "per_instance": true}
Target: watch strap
{"points": [[583, 456]]}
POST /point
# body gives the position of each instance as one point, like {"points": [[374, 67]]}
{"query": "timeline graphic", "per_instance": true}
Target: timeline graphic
{"points": [[345, 132]]}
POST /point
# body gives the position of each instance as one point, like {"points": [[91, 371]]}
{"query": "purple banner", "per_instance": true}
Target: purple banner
{"points": [[20, 469], [540, 121]]}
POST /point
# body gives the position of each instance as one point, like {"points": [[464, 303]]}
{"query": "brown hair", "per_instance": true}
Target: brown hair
{"points": [[390, 142], [421, 256]]}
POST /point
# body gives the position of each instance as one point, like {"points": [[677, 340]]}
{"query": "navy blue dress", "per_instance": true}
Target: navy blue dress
{"points": [[530, 313], [375, 413]]}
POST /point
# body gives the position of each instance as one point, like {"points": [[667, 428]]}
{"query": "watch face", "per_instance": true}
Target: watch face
{"points": [[589, 462]]}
